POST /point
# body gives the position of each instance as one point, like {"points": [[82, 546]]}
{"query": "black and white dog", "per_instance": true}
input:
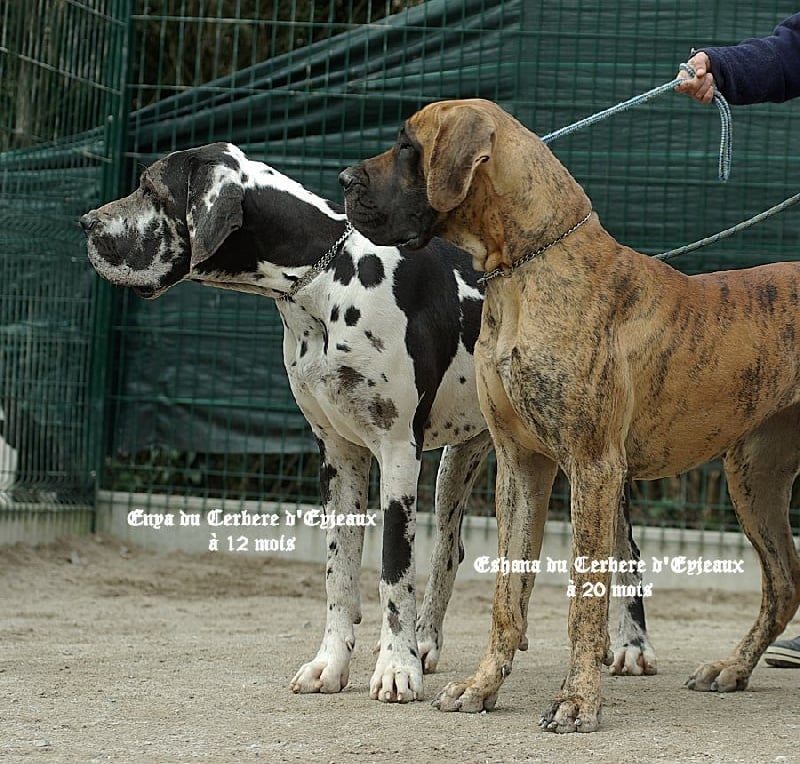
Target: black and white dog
{"points": [[378, 347]]}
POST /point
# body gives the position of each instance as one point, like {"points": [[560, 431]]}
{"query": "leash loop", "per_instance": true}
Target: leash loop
{"points": [[725, 163], [726, 138]]}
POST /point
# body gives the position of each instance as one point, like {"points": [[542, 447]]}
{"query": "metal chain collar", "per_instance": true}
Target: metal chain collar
{"points": [[319, 266], [532, 255]]}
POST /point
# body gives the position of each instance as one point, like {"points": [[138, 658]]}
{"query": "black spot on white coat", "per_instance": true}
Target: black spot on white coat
{"points": [[370, 271]]}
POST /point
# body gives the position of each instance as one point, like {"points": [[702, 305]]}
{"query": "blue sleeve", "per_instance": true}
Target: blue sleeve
{"points": [[759, 70]]}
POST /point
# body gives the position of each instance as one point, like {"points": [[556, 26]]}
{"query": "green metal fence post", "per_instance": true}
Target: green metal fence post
{"points": [[115, 140]]}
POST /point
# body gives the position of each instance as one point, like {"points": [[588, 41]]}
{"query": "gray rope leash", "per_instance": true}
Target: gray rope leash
{"points": [[729, 231], [725, 157], [726, 136]]}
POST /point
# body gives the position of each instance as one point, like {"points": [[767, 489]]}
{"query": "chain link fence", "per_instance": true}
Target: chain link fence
{"points": [[62, 68]]}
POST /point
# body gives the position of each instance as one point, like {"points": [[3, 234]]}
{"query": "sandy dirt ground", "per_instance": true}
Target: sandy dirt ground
{"points": [[111, 653]]}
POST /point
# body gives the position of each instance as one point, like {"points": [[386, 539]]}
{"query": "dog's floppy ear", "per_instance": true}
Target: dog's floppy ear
{"points": [[213, 207], [464, 140]]}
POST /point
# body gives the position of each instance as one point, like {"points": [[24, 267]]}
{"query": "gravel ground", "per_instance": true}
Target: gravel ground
{"points": [[113, 653]]}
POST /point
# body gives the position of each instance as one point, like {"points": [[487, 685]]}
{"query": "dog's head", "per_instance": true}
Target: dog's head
{"points": [[418, 188], [184, 208], [469, 172]]}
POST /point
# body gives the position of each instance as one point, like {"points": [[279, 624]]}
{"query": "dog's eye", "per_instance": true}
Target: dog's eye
{"points": [[404, 146]]}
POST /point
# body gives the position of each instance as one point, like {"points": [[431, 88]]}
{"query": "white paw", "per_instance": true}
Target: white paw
{"points": [[328, 672], [397, 677], [634, 659]]}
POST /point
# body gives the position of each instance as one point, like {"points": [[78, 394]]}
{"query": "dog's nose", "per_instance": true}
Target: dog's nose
{"points": [[88, 221], [347, 178]]}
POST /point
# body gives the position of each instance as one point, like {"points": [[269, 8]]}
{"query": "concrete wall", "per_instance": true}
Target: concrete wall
{"points": [[34, 524]]}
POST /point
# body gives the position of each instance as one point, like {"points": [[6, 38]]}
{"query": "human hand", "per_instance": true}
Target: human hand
{"points": [[701, 86]]}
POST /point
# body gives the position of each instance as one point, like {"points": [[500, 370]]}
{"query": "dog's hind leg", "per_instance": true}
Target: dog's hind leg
{"points": [[344, 481], [633, 653], [761, 469], [458, 469], [524, 483]]}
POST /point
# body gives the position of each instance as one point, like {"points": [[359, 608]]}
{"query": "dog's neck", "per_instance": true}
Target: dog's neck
{"points": [[509, 213], [319, 266], [286, 231]]}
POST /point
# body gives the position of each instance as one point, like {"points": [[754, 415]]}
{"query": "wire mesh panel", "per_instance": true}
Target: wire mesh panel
{"points": [[60, 91]]}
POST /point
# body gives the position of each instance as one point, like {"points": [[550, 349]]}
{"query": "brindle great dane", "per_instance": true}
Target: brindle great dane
{"points": [[602, 361]]}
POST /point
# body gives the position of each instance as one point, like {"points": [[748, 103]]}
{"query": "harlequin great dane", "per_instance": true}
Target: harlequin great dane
{"points": [[602, 361], [378, 348]]}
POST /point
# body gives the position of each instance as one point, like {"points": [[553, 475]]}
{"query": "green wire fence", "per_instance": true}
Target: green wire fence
{"points": [[186, 395]]}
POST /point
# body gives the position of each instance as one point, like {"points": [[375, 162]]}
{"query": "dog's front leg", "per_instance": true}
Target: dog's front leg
{"points": [[524, 482], [398, 670], [596, 492], [344, 481]]}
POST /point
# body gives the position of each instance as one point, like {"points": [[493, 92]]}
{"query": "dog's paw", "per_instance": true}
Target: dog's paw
{"points": [[634, 660], [721, 676], [328, 672], [570, 716], [397, 678], [466, 697]]}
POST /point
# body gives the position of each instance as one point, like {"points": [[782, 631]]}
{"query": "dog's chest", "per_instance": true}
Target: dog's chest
{"points": [[348, 367], [534, 383]]}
